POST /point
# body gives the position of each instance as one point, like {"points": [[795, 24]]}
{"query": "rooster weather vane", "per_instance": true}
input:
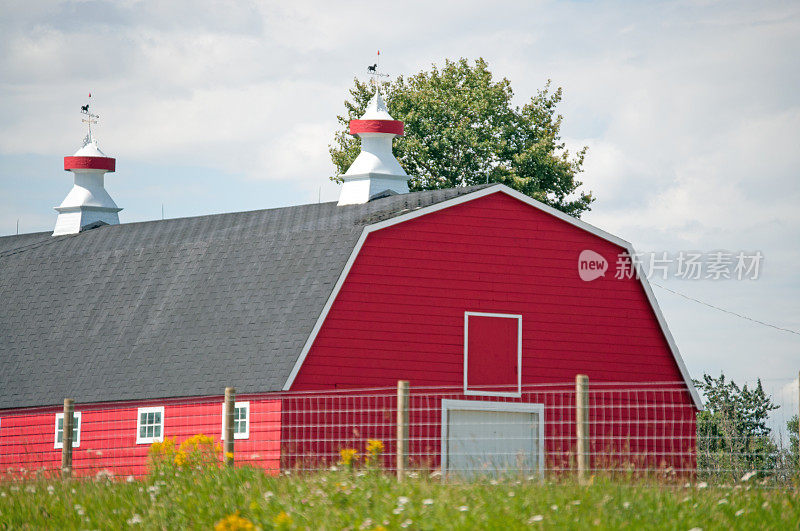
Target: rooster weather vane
{"points": [[89, 120]]}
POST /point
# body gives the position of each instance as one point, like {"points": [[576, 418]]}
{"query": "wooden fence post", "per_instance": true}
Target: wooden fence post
{"points": [[402, 428], [66, 438], [230, 402], [582, 424]]}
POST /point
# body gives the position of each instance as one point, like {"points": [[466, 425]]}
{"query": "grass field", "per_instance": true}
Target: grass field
{"points": [[371, 500]]}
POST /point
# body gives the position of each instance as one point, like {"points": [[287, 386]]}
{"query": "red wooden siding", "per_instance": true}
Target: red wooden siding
{"points": [[400, 312], [108, 435]]}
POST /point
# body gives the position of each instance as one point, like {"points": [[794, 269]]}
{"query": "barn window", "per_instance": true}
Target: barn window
{"points": [[150, 425], [492, 354], [76, 430], [241, 420]]}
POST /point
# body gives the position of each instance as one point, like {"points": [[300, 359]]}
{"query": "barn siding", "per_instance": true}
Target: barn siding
{"points": [[400, 312], [108, 435], [400, 315]]}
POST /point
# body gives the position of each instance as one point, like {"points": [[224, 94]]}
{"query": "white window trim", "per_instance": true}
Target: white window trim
{"points": [[77, 442], [478, 392], [479, 405], [246, 434], [149, 440]]}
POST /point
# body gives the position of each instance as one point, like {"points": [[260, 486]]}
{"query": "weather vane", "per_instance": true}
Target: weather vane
{"points": [[373, 71], [89, 120]]}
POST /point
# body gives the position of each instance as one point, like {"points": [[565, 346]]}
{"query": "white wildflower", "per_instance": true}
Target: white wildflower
{"points": [[748, 476], [740, 512], [427, 501], [463, 508], [535, 518], [511, 494], [554, 507], [333, 468], [402, 500], [397, 510], [436, 474], [696, 529], [78, 509], [575, 502], [14, 488], [269, 494], [765, 505], [2, 494], [406, 523], [626, 505], [366, 524], [104, 475], [413, 475], [702, 485], [50, 489], [723, 501], [135, 519], [30, 488], [130, 479]]}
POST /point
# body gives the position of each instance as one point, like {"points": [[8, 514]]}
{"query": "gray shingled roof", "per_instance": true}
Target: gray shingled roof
{"points": [[179, 307]]}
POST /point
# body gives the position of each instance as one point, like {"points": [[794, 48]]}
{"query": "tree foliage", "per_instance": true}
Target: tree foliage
{"points": [[732, 433], [793, 453], [462, 129]]}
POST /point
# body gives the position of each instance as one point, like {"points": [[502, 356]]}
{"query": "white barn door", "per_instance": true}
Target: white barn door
{"points": [[492, 438]]}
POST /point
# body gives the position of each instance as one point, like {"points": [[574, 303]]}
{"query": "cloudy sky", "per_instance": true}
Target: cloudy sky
{"points": [[691, 111]]}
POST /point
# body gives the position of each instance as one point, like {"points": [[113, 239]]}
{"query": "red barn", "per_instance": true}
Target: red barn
{"points": [[487, 301]]}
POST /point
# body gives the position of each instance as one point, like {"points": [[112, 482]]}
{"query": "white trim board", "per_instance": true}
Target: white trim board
{"points": [[483, 192], [478, 392], [480, 405]]}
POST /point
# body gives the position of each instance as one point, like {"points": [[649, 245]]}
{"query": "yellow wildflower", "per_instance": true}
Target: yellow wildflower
{"points": [[374, 451], [374, 446], [348, 456], [180, 458], [234, 522], [282, 520]]}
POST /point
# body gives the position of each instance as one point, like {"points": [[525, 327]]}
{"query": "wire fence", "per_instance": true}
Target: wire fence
{"points": [[631, 429]]}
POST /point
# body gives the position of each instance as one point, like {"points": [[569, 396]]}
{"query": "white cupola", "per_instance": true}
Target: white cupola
{"points": [[88, 202], [375, 171]]}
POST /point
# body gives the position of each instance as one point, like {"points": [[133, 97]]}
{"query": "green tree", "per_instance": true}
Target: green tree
{"points": [[461, 129], [793, 457], [732, 433]]}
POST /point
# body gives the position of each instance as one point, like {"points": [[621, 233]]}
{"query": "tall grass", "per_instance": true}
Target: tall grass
{"points": [[182, 498]]}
